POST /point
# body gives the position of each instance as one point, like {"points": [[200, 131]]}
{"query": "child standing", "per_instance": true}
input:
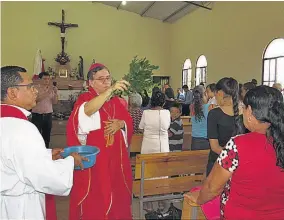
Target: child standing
{"points": [[176, 128]]}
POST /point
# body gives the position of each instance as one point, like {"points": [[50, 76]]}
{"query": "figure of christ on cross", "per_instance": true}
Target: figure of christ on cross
{"points": [[63, 26]]}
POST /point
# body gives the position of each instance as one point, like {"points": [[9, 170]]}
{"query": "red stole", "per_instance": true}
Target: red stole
{"points": [[123, 102], [13, 112], [103, 191]]}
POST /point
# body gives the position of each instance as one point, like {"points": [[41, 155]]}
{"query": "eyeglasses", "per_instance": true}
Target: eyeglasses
{"points": [[29, 86], [103, 80]]}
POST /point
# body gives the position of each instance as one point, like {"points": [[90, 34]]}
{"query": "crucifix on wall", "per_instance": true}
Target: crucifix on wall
{"points": [[63, 26]]}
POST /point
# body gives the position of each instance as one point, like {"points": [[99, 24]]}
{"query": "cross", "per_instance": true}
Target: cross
{"points": [[63, 26]]}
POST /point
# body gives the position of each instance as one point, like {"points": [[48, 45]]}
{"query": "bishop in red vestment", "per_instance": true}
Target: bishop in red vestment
{"points": [[104, 190]]}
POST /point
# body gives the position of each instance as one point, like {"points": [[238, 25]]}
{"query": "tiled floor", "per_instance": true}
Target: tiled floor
{"points": [[62, 205]]}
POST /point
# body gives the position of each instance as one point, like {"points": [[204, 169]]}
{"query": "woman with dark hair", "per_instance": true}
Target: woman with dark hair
{"points": [[170, 98], [240, 91], [245, 88], [250, 169], [199, 112], [155, 122], [145, 100], [225, 121], [155, 89]]}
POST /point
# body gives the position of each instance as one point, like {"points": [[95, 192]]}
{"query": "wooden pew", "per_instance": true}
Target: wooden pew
{"points": [[151, 169], [186, 120], [187, 137], [191, 212], [136, 143], [135, 147]]}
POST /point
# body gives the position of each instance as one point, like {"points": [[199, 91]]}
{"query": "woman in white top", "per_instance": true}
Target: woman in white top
{"points": [[155, 122]]}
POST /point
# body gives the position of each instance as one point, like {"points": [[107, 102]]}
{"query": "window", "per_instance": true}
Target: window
{"points": [[161, 80], [186, 73], [273, 63], [201, 70]]}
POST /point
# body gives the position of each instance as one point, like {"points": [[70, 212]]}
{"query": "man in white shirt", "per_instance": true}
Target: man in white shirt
{"points": [[27, 169]]}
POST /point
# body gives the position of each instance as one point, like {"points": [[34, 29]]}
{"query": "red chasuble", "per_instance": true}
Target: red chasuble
{"points": [[104, 190], [13, 112]]}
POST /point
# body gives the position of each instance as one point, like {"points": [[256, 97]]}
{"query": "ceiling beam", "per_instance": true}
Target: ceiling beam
{"points": [[119, 5], [198, 5], [147, 8], [176, 12]]}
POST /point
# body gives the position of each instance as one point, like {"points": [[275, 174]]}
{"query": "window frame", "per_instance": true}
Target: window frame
{"points": [[202, 70], [182, 74], [270, 82]]}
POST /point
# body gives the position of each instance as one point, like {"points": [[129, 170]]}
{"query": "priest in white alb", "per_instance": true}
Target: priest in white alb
{"points": [[28, 169]]}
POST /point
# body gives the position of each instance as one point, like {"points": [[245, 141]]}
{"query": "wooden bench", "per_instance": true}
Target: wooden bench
{"points": [[187, 137], [135, 146], [166, 171]]}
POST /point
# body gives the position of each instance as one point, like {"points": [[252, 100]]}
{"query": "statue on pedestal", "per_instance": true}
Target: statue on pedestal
{"points": [[81, 68], [74, 74]]}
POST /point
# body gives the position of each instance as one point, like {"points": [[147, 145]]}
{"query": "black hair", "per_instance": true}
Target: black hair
{"points": [[10, 76], [158, 99], [198, 94], [230, 87], [240, 90], [43, 74], [155, 89], [254, 81], [90, 75], [145, 98], [185, 86], [169, 92], [201, 84], [177, 105], [248, 86], [212, 87], [267, 106]]}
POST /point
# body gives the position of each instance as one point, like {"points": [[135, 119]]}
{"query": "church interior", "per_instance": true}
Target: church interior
{"points": [[191, 43]]}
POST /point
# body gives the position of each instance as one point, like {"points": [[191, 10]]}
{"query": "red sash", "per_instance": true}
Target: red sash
{"points": [[13, 112]]}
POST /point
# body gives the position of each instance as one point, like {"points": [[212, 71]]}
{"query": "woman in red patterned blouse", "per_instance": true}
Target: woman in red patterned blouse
{"points": [[135, 102], [249, 172]]}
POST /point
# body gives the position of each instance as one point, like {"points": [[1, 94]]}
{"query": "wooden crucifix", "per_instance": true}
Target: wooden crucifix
{"points": [[63, 26]]}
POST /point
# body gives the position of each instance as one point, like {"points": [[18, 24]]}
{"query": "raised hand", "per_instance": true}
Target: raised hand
{"points": [[121, 85]]}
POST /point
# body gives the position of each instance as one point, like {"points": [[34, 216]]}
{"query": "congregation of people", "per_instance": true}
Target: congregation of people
{"points": [[242, 126]]}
